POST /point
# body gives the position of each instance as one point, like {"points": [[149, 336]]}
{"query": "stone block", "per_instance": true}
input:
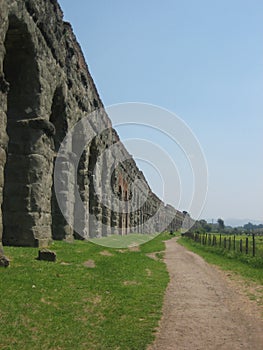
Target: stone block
{"points": [[62, 232], [38, 124], [43, 243], [27, 169], [2, 156], [3, 139], [1, 176], [42, 232], [40, 198], [4, 261], [40, 145], [46, 255]]}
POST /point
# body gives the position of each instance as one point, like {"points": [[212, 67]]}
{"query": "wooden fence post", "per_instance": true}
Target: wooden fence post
{"points": [[214, 240], [224, 242], [234, 243], [229, 243], [246, 245], [254, 244], [241, 246], [220, 240]]}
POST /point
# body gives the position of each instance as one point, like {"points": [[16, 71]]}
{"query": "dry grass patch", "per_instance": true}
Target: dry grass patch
{"points": [[90, 264], [131, 283], [134, 248], [149, 272], [153, 256], [106, 253]]}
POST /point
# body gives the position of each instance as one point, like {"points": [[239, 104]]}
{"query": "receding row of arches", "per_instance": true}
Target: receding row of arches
{"points": [[30, 210]]}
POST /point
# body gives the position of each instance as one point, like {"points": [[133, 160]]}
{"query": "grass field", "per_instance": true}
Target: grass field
{"points": [[117, 241], [238, 239], [93, 297]]}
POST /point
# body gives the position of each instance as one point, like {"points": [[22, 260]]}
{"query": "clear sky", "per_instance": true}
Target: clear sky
{"points": [[202, 60]]}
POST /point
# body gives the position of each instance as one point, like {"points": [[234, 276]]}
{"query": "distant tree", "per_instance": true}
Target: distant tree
{"points": [[249, 226], [205, 226], [235, 231], [201, 226], [203, 222], [221, 225], [208, 228]]}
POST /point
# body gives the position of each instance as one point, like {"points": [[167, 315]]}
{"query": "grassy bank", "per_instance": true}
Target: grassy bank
{"points": [[92, 298], [246, 266], [117, 241]]}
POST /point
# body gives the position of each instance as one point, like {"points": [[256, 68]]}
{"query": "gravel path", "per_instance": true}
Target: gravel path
{"points": [[203, 309]]}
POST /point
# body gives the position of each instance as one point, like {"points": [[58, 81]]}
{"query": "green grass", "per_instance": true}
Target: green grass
{"points": [[67, 305], [117, 241], [258, 243], [244, 265]]}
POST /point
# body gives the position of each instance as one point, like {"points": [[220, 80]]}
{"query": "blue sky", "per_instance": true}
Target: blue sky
{"points": [[202, 60]]}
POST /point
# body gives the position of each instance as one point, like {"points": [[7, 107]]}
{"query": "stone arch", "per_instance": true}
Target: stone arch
{"points": [[120, 195], [19, 208], [95, 209], [120, 192], [21, 72], [106, 209], [126, 198], [58, 117], [59, 227]]}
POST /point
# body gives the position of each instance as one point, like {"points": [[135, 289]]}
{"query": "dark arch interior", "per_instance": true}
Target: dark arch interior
{"points": [[58, 119], [21, 72]]}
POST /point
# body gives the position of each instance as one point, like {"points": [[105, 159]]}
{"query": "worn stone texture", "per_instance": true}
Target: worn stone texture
{"points": [[4, 262], [45, 89], [47, 255]]}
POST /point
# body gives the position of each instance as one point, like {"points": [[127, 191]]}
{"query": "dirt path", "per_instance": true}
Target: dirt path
{"points": [[203, 310]]}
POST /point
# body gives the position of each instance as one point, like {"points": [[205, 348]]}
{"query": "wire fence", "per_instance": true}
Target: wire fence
{"points": [[250, 245]]}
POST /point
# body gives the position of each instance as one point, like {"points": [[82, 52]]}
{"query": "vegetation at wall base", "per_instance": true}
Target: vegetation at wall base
{"points": [[92, 298], [117, 241], [245, 265]]}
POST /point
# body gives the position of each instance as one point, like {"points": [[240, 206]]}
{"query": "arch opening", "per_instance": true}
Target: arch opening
{"points": [[21, 72], [59, 228]]}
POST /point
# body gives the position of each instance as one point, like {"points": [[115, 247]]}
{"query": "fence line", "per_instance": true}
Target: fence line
{"points": [[228, 243]]}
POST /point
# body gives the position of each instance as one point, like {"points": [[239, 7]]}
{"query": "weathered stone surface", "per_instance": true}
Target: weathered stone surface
{"points": [[4, 85], [45, 89], [39, 124], [46, 255], [4, 262]]}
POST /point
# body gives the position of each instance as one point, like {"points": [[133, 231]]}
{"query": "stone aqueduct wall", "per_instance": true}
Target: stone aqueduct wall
{"points": [[45, 88]]}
